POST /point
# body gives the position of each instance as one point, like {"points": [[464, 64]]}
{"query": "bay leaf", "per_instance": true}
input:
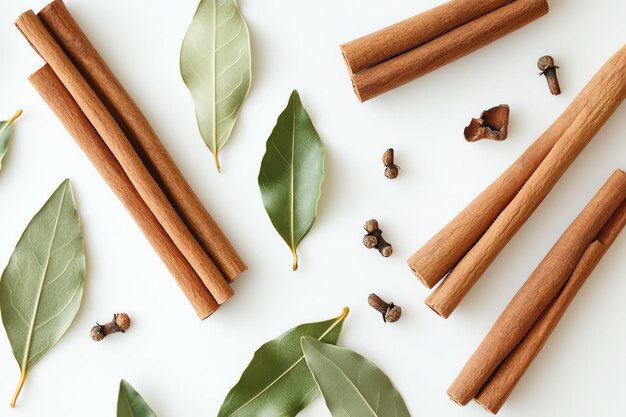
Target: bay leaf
{"points": [[215, 62], [131, 404], [277, 382], [42, 286], [350, 384], [291, 174], [5, 135]]}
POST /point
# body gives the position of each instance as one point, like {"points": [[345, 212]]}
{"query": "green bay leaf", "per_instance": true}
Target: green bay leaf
{"points": [[131, 404], [5, 135], [42, 286], [350, 384], [277, 382], [215, 62], [291, 174]]}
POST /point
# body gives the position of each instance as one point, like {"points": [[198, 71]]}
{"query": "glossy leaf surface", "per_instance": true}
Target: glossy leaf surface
{"points": [[277, 382], [131, 404], [351, 385], [291, 174], [42, 286], [215, 63]]}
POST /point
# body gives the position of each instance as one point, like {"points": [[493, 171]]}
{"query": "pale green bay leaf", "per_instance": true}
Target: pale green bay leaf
{"points": [[351, 385], [291, 174], [215, 63], [277, 382], [42, 286], [131, 404], [6, 128]]}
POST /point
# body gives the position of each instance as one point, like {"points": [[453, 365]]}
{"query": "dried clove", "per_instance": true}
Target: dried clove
{"points": [[120, 323], [390, 312], [374, 239], [547, 67], [493, 124], [391, 169]]}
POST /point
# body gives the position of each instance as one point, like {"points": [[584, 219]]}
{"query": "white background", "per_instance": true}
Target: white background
{"points": [[185, 367]]}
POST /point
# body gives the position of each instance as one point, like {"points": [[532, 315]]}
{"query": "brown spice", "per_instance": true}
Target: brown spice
{"points": [[493, 124], [390, 312], [374, 239], [120, 323], [547, 67], [391, 169]]}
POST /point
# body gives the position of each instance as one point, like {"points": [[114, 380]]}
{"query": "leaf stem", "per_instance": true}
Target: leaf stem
{"points": [[15, 116], [295, 259], [217, 161], [20, 384]]}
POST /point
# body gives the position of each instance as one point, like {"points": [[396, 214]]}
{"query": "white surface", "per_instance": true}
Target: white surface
{"points": [[185, 367]]}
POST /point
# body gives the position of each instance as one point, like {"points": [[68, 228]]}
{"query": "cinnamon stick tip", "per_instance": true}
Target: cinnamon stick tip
{"points": [[441, 313], [53, 4], [346, 60], [206, 314], [454, 399], [419, 276], [356, 89], [27, 14], [492, 410]]}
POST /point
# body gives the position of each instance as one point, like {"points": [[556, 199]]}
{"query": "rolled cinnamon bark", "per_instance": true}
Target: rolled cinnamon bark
{"points": [[437, 257], [539, 290], [106, 126], [501, 383], [370, 50], [142, 136], [446, 48], [592, 117], [71, 116]]}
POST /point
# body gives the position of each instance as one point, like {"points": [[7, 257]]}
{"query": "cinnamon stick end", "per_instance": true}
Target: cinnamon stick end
{"points": [[50, 7], [437, 308], [421, 277], [455, 399], [490, 408], [493, 124], [356, 89], [346, 60]]}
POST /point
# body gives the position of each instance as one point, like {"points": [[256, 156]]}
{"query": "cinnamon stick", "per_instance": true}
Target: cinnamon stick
{"points": [[71, 116], [541, 288], [446, 48], [370, 50], [591, 118], [497, 389], [106, 126], [437, 257], [60, 23]]}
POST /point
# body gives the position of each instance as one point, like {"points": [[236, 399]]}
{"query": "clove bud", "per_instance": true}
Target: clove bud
{"points": [[391, 169], [547, 67], [120, 323], [390, 312], [374, 239]]}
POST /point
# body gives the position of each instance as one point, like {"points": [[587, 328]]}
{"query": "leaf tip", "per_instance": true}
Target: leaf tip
{"points": [[295, 95], [15, 116], [304, 340]]}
